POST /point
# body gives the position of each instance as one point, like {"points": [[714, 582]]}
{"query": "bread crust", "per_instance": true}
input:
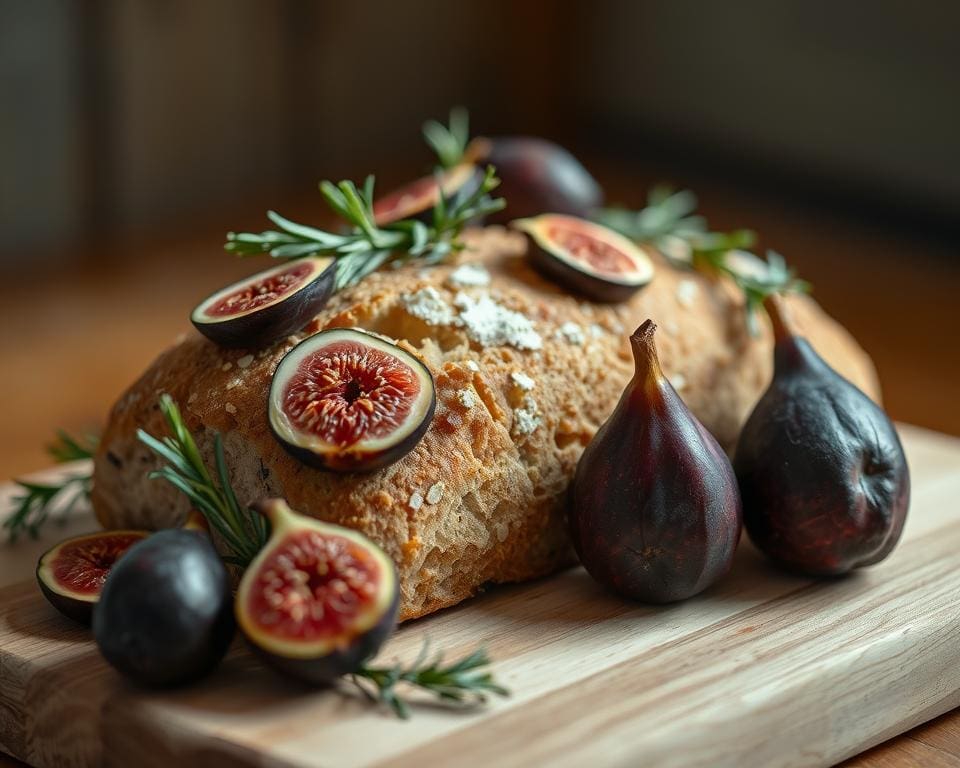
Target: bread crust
{"points": [[480, 499]]}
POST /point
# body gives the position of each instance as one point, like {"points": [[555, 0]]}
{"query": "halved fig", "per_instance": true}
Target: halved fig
{"points": [[72, 573], [587, 257], [417, 199], [268, 305], [319, 599], [350, 401]]}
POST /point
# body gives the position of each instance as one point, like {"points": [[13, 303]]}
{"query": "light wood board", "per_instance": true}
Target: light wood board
{"points": [[764, 669]]}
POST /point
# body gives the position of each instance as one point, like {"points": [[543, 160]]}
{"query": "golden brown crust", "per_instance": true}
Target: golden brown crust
{"points": [[498, 458]]}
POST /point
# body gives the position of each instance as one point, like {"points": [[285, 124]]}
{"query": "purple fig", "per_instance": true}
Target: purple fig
{"points": [[824, 478], [655, 512]]}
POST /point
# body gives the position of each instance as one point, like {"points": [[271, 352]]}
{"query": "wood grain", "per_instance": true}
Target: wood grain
{"points": [[765, 669]]}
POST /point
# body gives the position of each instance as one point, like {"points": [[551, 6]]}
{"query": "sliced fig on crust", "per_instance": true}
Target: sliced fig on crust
{"points": [[589, 258], [417, 199], [267, 306], [350, 401]]}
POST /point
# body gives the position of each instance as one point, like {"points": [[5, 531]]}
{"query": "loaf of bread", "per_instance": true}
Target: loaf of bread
{"points": [[525, 374]]}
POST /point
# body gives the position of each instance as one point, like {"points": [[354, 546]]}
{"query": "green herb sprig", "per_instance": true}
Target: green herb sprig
{"points": [[758, 278], [449, 142], [366, 247], [243, 531], [670, 224], [36, 501], [463, 682]]}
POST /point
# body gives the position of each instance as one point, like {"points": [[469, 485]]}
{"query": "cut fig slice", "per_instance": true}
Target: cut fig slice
{"points": [[72, 573], [350, 401], [417, 199], [319, 599], [589, 258], [268, 305]]}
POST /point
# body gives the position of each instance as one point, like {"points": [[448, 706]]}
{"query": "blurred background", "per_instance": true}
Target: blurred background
{"points": [[137, 132]]}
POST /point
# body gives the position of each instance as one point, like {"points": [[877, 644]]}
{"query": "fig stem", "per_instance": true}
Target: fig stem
{"points": [[779, 317], [645, 359], [277, 511]]}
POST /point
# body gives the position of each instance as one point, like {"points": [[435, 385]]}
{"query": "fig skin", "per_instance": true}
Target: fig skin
{"points": [[165, 616], [308, 663], [537, 176], [73, 605], [285, 315], [655, 513], [823, 476]]}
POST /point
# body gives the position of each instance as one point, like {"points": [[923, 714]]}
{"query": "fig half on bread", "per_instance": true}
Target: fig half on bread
{"points": [[350, 401], [267, 306]]}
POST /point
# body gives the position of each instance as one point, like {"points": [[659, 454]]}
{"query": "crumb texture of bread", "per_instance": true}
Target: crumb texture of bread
{"points": [[525, 374]]}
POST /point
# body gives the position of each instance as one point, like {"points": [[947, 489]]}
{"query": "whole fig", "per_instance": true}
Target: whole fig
{"points": [[165, 612], [537, 176], [824, 480], [655, 512]]}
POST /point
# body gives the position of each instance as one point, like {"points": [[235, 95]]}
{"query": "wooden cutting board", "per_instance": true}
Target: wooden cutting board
{"points": [[765, 669]]}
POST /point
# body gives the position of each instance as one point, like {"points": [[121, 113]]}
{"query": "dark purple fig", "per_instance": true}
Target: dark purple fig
{"points": [[824, 480], [267, 306], [165, 616], [417, 199], [319, 599], [71, 574], [537, 176], [655, 512], [589, 258], [350, 401]]}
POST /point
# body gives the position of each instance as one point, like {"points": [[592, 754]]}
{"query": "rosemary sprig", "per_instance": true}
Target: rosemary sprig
{"points": [[367, 246], [462, 682], [243, 531], [756, 277], [35, 502], [67, 448], [449, 143], [670, 223], [667, 213]]}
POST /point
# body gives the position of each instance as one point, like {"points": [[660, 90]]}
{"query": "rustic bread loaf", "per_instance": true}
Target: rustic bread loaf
{"points": [[525, 374]]}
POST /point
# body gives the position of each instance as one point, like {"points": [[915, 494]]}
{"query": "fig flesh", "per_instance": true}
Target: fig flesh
{"points": [[586, 257], [823, 476], [268, 305], [165, 616], [537, 176], [319, 599], [655, 513], [71, 574], [417, 199], [350, 401]]}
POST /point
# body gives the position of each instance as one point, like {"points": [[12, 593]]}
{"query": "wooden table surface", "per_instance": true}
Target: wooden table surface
{"points": [[77, 336], [830, 666]]}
